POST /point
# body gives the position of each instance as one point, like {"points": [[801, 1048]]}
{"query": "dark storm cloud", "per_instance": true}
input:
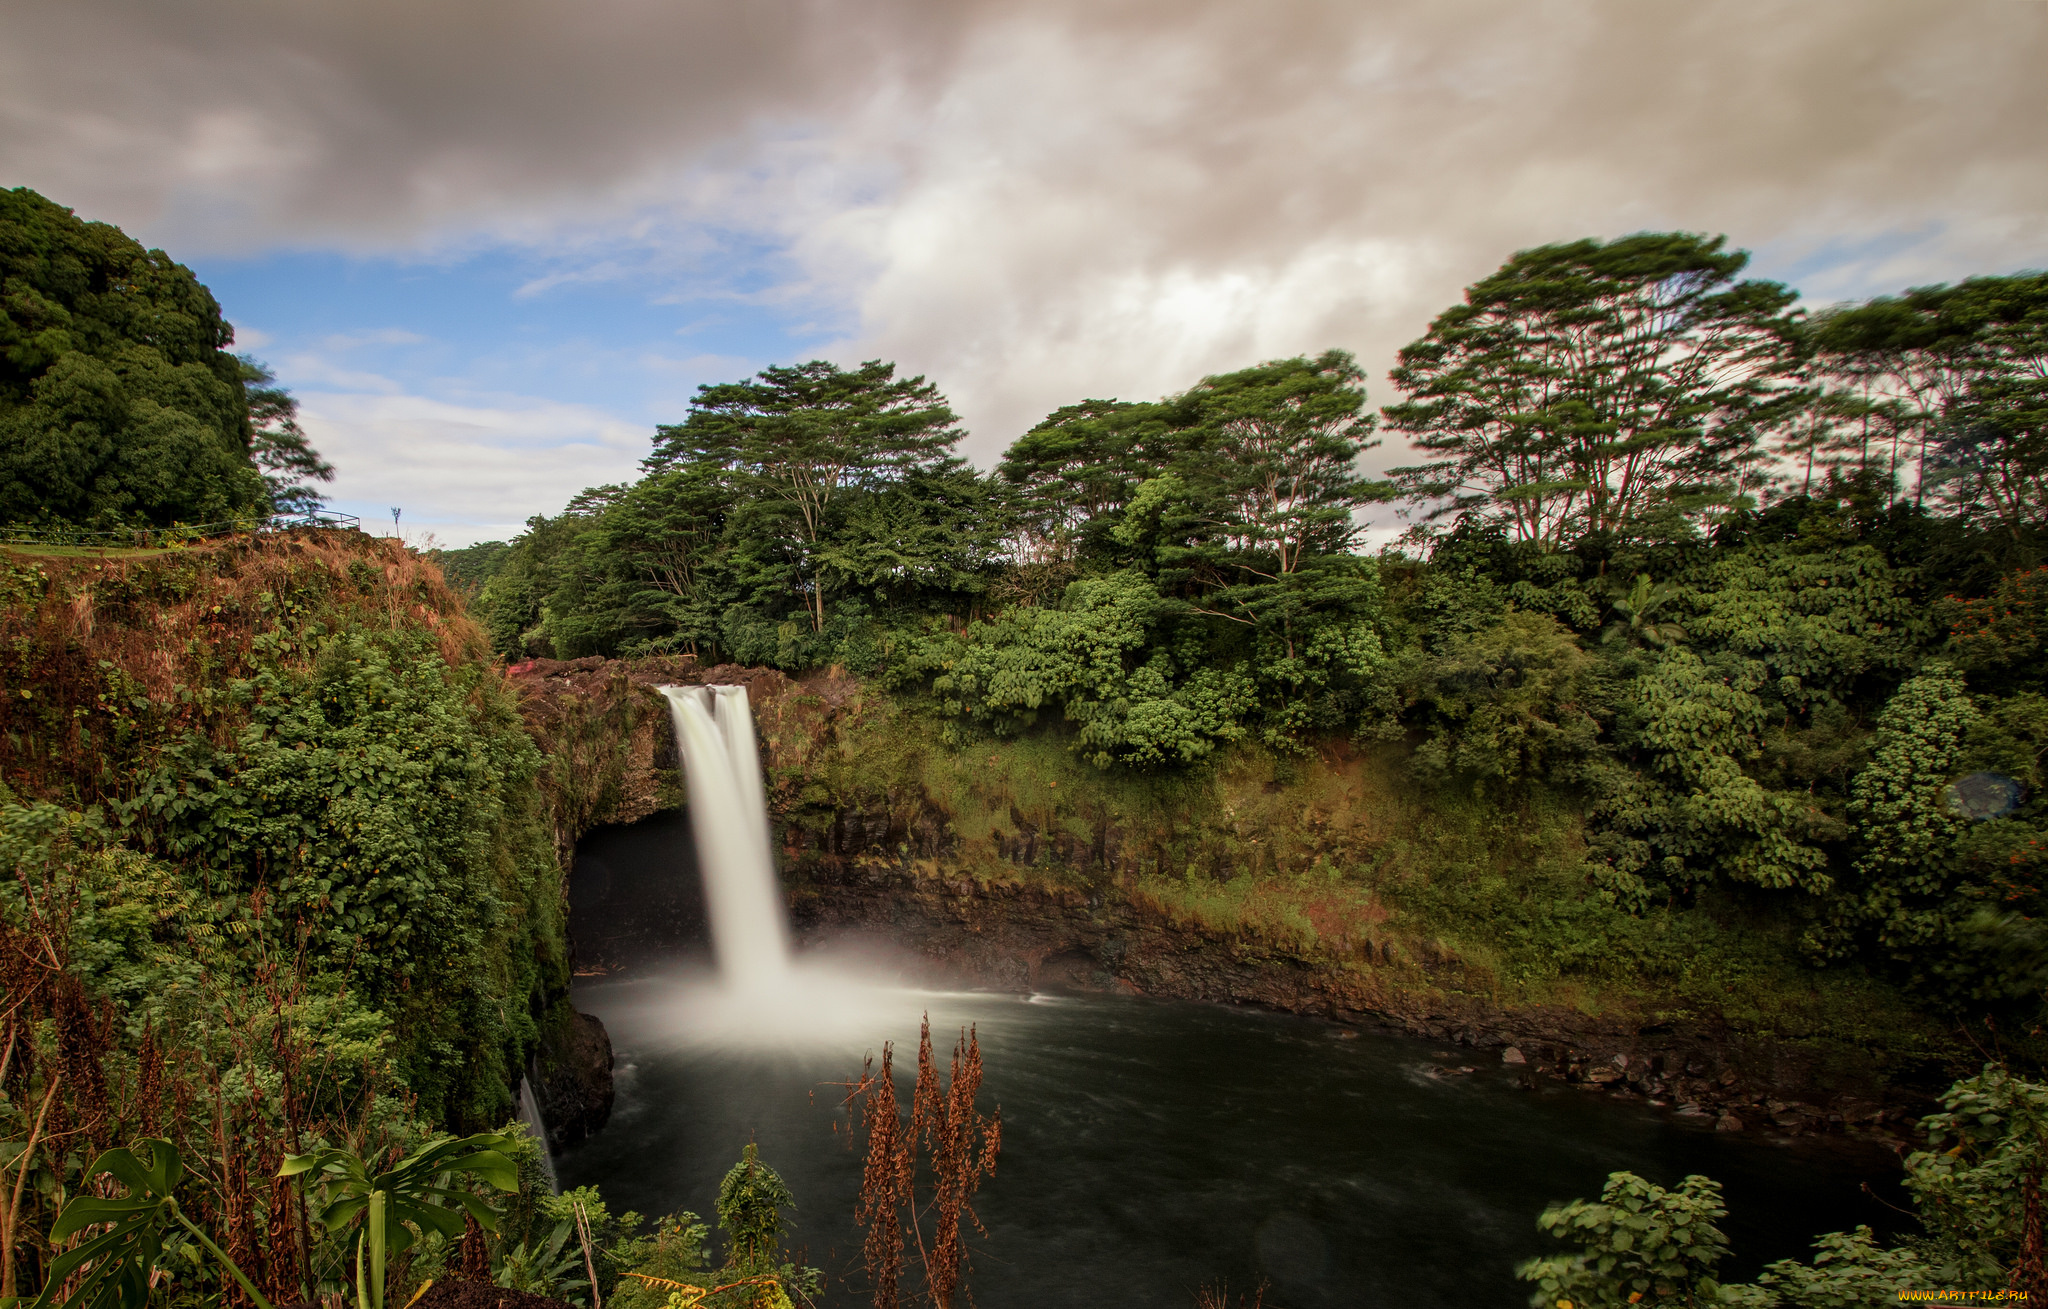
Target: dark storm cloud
{"points": [[373, 122], [1037, 201]]}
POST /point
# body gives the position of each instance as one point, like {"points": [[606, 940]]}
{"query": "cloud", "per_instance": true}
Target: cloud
{"points": [[379, 336], [1034, 202], [316, 370], [465, 471], [1092, 211], [232, 124]]}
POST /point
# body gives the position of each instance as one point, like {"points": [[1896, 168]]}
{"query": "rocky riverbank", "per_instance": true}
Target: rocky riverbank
{"points": [[1044, 875], [1022, 937]]}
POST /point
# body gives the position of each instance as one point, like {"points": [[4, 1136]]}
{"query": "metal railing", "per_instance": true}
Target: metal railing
{"points": [[317, 518]]}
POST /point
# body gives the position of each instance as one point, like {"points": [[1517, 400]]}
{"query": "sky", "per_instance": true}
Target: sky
{"points": [[490, 244]]}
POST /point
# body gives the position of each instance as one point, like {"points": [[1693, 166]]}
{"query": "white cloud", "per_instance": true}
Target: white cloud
{"points": [[378, 336], [466, 472], [317, 370], [1035, 202]]}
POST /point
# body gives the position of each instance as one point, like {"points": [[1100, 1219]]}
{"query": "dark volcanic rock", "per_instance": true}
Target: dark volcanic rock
{"points": [[1024, 936], [573, 1077]]}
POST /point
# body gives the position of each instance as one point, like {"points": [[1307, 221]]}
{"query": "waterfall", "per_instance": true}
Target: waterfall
{"points": [[729, 818], [529, 1113]]}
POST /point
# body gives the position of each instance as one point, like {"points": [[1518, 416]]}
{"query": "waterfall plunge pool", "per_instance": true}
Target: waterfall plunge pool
{"points": [[1149, 1146]]}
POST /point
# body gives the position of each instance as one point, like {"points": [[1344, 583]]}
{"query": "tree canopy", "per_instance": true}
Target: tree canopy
{"points": [[1675, 562], [1586, 387], [805, 436], [119, 400]]}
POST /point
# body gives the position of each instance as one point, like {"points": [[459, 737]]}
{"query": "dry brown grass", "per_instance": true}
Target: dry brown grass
{"points": [[101, 654]]}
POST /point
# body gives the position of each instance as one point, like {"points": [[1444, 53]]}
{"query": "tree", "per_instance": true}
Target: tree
{"points": [[1511, 702], [1259, 497], [1076, 470], [1976, 1190], [804, 436], [1590, 387], [287, 460], [933, 534], [1639, 1244], [119, 401], [1636, 622], [1906, 876], [1958, 377], [1271, 465], [667, 538], [750, 1204]]}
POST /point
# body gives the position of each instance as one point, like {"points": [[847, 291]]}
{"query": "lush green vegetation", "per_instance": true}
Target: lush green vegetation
{"points": [[1708, 678], [1740, 590], [282, 904], [277, 869], [119, 402], [1976, 1191]]}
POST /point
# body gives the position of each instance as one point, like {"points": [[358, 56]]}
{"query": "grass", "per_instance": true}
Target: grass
{"points": [[83, 551]]}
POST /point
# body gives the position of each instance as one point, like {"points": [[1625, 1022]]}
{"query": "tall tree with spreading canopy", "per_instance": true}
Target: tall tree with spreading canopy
{"points": [[1260, 494], [1957, 378], [805, 436], [1586, 388], [119, 400], [1076, 470], [1270, 465]]}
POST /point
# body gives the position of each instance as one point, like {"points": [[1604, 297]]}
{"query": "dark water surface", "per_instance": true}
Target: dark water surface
{"points": [[1152, 1146], [1149, 1146]]}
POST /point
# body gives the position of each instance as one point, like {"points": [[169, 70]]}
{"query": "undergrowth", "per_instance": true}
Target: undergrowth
{"points": [[305, 733], [1344, 857]]}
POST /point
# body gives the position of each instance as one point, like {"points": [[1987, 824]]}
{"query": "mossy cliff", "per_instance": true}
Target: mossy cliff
{"points": [[1332, 884], [284, 766]]}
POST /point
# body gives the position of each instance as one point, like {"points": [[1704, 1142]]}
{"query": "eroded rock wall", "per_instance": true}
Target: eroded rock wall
{"points": [[1046, 890], [1017, 936]]}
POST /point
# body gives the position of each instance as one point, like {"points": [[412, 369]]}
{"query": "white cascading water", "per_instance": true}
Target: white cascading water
{"points": [[536, 1126], [714, 728]]}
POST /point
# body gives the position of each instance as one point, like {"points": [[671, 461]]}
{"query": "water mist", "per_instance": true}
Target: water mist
{"points": [[762, 997]]}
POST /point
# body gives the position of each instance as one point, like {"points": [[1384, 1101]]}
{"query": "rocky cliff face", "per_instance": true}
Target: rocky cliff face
{"points": [[572, 1084], [1021, 937], [1010, 881]]}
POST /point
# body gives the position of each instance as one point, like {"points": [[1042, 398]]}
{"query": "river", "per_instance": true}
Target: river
{"points": [[1153, 1146]]}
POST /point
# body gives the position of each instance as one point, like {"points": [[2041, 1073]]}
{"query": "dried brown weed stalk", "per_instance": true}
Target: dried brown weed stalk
{"points": [[920, 1177]]}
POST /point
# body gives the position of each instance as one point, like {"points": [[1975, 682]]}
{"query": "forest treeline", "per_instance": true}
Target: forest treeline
{"points": [[1762, 588]]}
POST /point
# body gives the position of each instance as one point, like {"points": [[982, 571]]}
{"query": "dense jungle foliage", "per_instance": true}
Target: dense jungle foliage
{"points": [[1976, 1191], [119, 402], [278, 872], [1758, 593]]}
